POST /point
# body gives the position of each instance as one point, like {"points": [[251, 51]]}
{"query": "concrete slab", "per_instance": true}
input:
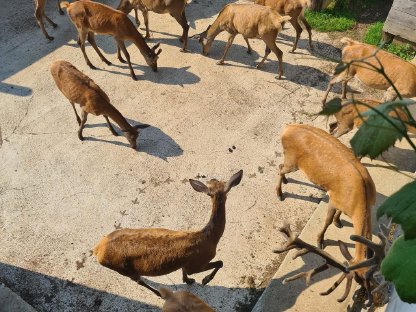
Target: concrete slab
{"points": [[11, 302]]}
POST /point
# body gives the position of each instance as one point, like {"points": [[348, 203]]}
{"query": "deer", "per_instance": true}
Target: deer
{"points": [[349, 117], [40, 14], [157, 251], [401, 73], [182, 301], [91, 17], [176, 8], [331, 165], [295, 9], [79, 88], [249, 20]]}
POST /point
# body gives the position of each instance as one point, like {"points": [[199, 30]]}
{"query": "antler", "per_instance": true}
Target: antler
{"points": [[295, 242]]}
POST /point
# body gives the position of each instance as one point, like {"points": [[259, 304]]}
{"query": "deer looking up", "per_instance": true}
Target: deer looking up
{"points": [[176, 8], [330, 164], [79, 88], [250, 20], [296, 10], [153, 252], [40, 14], [91, 17]]}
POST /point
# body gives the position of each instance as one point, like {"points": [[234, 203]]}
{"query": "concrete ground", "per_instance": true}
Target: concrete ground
{"points": [[59, 196]]}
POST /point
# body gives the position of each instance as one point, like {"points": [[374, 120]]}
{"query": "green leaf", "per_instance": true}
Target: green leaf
{"points": [[376, 135], [401, 206], [399, 267], [340, 68], [331, 107], [387, 107]]}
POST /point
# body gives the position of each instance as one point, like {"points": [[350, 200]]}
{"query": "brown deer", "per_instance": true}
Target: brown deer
{"points": [[349, 117], [295, 9], [91, 17], [40, 14], [250, 20], [401, 73], [182, 301], [79, 88], [153, 252], [331, 165], [176, 8]]}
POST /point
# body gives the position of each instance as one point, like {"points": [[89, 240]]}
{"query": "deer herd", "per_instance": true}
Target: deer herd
{"points": [[324, 160]]}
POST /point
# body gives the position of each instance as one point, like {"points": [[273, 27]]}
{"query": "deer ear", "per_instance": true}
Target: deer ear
{"points": [[159, 51], [199, 186], [141, 126], [209, 26], [344, 250], [234, 181], [156, 46]]}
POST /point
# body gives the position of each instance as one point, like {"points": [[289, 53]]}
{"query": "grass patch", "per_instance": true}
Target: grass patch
{"points": [[374, 37], [332, 19]]}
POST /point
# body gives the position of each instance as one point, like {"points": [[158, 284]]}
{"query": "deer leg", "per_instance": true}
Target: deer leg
{"points": [[283, 169], [216, 265], [119, 55], [308, 29], [295, 23], [266, 54], [248, 46], [39, 19], [81, 41], [146, 23], [186, 279], [136, 17], [271, 43], [59, 8], [337, 219], [91, 40], [76, 114], [122, 46], [84, 115], [229, 43], [344, 89], [54, 25], [328, 221], [181, 19], [110, 126], [142, 283]]}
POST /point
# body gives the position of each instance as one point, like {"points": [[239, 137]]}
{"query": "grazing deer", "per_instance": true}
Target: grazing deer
{"points": [[176, 8], [154, 252], [79, 88], [40, 14], [250, 20], [349, 117], [91, 17], [182, 301], [295, 9], [331, 165], [401, 73]]}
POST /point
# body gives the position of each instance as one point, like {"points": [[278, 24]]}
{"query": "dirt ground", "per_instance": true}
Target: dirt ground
{"points": [[59, 196]]}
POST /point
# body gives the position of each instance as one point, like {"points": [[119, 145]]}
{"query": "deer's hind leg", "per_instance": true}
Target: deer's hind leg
{"points": [[328, 220], [39, 13], [270, 40], [91, 40], [285, 168], [76, 114], [216, 265], [295, 23], [181, 19]]}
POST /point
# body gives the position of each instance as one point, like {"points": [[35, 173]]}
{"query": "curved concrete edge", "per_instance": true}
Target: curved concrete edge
{"points": [[11, 302]]}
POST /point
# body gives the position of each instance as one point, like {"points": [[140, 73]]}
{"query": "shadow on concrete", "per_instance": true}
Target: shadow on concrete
{"points": [[152, 141], [49, 293]]}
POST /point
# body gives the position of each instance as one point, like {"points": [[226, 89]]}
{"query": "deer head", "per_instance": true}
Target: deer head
{"points": [[215, 187], [132, 134], [204, 40], [152, 57]]}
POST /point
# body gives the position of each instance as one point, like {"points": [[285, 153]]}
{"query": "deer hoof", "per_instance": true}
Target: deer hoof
{"points": [[50, 38], [184, 50], [338, 225], [108, 62], [220, 63], [248, 51], [190, 281]]}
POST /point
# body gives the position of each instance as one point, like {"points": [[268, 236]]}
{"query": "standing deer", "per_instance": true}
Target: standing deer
{"points": [[330, 164], [153, 252], [295, 9], [91, 17], [40, 14], [176, 8], [401, 73], [182, 301], [79, 88], [250, 20]]}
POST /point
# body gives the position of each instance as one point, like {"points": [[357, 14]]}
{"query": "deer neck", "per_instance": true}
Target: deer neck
{"points": [[119, 119], [138, 40], [216, 225], [214, 30]]}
